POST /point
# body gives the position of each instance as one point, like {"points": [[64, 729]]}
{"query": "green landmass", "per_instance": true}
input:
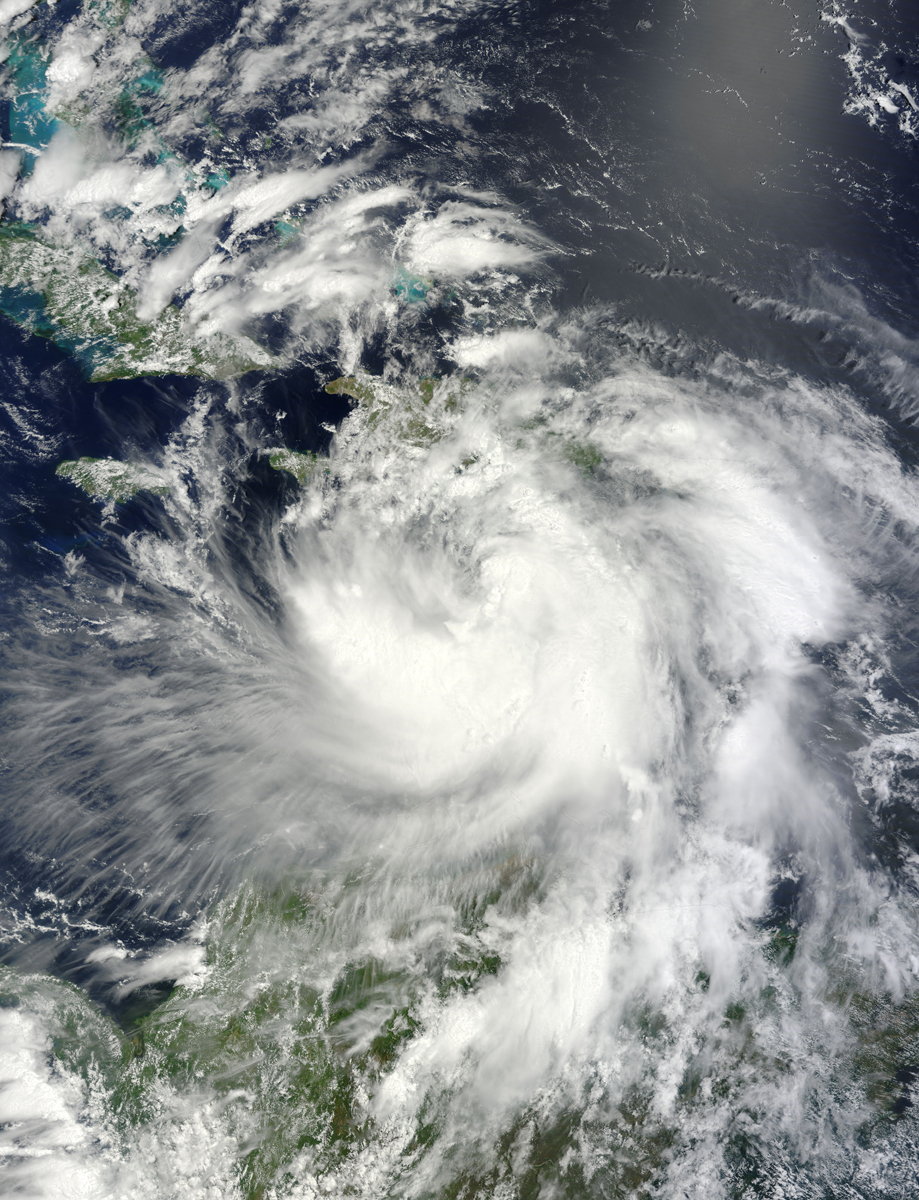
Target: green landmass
{"points": [[421, 412], [583, 455], [109, 479], [418, 410], [288, 1035], [362, 389], [62, 293], [65, 295], [294, 462]]}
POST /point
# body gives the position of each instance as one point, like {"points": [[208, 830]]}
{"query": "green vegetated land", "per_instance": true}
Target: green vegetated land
{"points": [[416, 410], [423, 411], [409, 406], [62, 294], [106, 478], [287, 1034], [302, 465]]}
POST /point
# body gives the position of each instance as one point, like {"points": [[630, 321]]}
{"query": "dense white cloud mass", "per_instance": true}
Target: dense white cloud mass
{"points": [[520, 800]]}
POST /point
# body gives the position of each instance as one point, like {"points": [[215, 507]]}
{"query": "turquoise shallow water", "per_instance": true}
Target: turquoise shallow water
{"points": [[458, 717]]}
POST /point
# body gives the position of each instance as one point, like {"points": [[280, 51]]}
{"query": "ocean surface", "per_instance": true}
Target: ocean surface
{"points": [[459, 621]]}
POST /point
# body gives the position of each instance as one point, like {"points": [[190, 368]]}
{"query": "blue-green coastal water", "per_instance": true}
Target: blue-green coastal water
{"points": [[458, 730]]}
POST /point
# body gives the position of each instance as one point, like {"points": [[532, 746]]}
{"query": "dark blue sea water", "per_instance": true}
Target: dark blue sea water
{"points": [[475, 753]]}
